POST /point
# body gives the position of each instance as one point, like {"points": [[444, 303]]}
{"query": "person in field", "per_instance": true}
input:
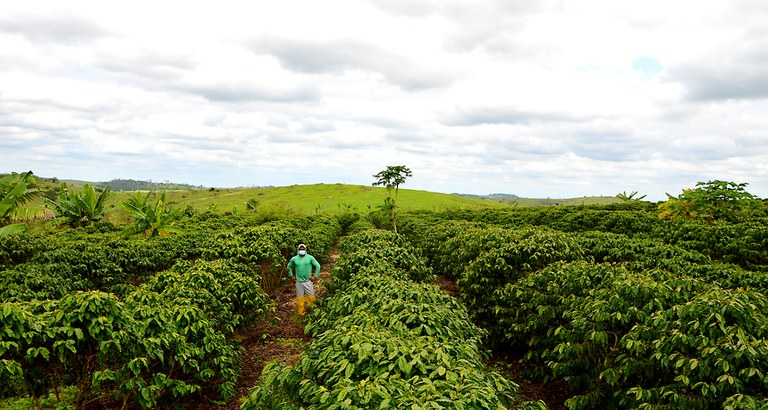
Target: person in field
{"points": [[304, 270]]}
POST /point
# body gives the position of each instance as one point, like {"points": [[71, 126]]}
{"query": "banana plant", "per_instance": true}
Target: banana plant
{"points": [[630, 197], [80, 208], [151, 220], [15, 190]]}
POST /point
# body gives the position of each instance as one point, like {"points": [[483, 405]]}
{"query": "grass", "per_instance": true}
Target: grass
{"points": [[48, 401], [308, 199], [314, 199]]}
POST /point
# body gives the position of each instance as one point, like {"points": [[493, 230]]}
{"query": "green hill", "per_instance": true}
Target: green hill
{"points": [[305, 199], [313, 199]]}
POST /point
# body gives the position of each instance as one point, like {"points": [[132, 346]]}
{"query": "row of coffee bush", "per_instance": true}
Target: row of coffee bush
{"points": [[383, 338], [133, 322], [743, 243], [624, 321], [164, 340]]}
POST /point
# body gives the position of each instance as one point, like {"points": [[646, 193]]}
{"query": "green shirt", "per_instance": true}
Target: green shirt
{"points": [[303, 267]]}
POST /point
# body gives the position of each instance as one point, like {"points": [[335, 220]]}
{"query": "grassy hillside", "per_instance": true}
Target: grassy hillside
{"points": [[312, 199]]}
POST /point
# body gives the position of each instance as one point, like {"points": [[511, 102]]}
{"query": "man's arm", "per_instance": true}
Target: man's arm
{"points": [[291, 264], [316, 264]]}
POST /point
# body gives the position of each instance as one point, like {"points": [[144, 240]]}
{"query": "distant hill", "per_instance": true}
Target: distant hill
{"points": [[512, 199], [301, 199], [134, 185], [494, 197], [313, 199]]}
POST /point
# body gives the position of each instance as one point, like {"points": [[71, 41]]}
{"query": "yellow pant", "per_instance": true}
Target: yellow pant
{"points": [[310, 300]]}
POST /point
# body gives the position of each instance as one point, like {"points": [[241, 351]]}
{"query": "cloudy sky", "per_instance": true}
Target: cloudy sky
{"points": [[536, 98]]}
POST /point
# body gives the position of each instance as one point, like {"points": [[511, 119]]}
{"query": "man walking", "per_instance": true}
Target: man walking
{"points": [[300, 270]]}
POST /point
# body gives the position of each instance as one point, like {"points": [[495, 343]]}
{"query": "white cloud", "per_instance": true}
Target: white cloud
{"points": [[545, 99]]}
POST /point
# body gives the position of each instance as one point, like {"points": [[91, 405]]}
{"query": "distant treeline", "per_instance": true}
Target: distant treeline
{"points": [[489, 196], [133, 185]]}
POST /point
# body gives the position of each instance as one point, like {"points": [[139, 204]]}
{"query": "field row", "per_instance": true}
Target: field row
{"points": [[97, 319], [385, 339], [625, 321]]}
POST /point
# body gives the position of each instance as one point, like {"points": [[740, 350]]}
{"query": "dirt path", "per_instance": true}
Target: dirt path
{"points": [[279, 337]]}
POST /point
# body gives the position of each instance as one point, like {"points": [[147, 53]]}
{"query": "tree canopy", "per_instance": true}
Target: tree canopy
{"points": [[710, 201], [392, 178]]}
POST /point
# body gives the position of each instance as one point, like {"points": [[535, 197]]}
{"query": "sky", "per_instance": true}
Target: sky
{"points": [[542, 99]]}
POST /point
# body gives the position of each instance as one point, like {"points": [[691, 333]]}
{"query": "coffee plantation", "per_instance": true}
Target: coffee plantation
{"points": [[625, 309]]}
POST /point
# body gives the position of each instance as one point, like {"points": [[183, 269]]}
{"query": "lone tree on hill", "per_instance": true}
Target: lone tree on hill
{"points": [[391, 178]]}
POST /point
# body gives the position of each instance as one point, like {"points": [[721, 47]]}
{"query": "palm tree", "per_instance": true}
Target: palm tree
{"points": [[80, 208], [152, 220], [15, 191]]}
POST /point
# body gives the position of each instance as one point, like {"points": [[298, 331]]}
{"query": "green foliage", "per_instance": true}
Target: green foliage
{"points": [[529, 309], [229, 293], [347, 219], [507, 260], [729, 276], [442, 242], [151, 220], [142, 350], [383, 342], [632, 218], [634, 297], [70, 338], [362, 224], [46, 267], [710, 201], [13, 229], [176, 352], [135, 185], [15, 191], [638, 254], [267, 248], [37, 281], [159, 337], [16, 249], [61, 399], [373, 367], [744, 243], [631, 277], [374, 247], [80, 209], [392, 178], [464, 243], [699, 354], [571, 317], [629, 197], [415, 308]]}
